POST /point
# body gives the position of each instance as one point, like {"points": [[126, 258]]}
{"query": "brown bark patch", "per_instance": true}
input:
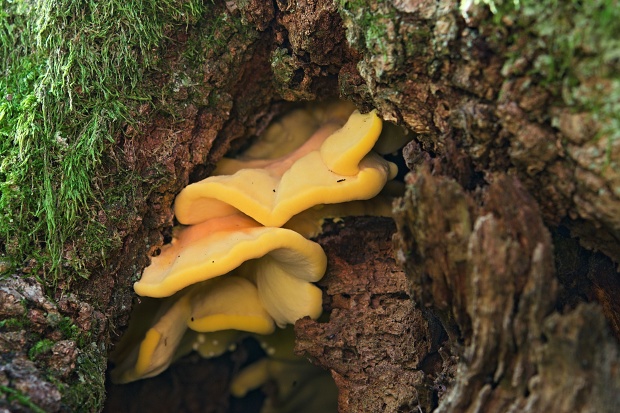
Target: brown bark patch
{"points": [[375, 339]]}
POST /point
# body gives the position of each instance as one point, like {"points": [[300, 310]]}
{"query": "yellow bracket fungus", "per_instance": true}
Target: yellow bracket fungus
{"points": [[228, 302], [285, 293], [291, 131], [301, 386], [333, 166], [209, 345], [310, 222], [344, 149], [165, 341], [156, 349], [234, 270], [225, 273], [220, 245], [392, 138]]}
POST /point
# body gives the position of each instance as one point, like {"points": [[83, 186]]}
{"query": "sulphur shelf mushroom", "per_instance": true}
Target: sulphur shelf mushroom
{"points": [[333, 166], [225, 273], [149, 346], [233, 269], [289, 132], [228, 302], [300, 386], [220, 245], [222, 274], [146, 350], [310, 222], [209, 345]]}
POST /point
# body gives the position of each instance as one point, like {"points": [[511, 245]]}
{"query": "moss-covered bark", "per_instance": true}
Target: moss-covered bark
{"points": [[107, 110]]}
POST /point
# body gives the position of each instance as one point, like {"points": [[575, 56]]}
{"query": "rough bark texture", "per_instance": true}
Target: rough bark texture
{"points": [[375, 340], [487, 269], [39, 347], [493, 319]]}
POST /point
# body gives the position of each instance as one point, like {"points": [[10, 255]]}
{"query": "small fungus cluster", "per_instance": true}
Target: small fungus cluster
{"points": [[241, 261], [300, 386]]}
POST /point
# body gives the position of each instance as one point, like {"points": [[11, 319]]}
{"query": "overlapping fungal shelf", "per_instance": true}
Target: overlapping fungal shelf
{"points": [[241, 262]]}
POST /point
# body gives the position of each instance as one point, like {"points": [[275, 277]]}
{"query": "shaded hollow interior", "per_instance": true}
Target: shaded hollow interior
{"points": [[196, 384]]}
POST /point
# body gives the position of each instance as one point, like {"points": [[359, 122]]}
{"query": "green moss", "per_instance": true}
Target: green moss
{"points": [[212, 35], [494, 5], [372, 19], [208, 46], [575, 55], [374, 29], [69, 330], [88, 392], [73, 74], [40, 347], [283, 66], [13, 395], [12, 324]]}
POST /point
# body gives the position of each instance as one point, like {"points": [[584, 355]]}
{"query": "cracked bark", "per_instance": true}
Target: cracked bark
{"points": [[489, 272]]}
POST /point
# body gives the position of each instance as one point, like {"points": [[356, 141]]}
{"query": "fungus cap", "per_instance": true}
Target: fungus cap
{"points": [[293, 129], [309, 223], [345, 148], [158, 333], [392, 138], [301, 387], [156, 349], [219, 246], [209, 345], [285, 296], [280, 357], [333, 166], [228, 302]]}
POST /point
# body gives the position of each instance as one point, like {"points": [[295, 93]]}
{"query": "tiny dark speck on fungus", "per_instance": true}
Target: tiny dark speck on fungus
{"points": [[341, 180]]}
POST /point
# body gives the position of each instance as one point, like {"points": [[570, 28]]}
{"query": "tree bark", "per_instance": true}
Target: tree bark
{"points": [[499, 291], [488, 272]]}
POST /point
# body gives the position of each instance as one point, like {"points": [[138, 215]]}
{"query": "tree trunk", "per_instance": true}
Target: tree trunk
{"points": [[497, 288]]}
